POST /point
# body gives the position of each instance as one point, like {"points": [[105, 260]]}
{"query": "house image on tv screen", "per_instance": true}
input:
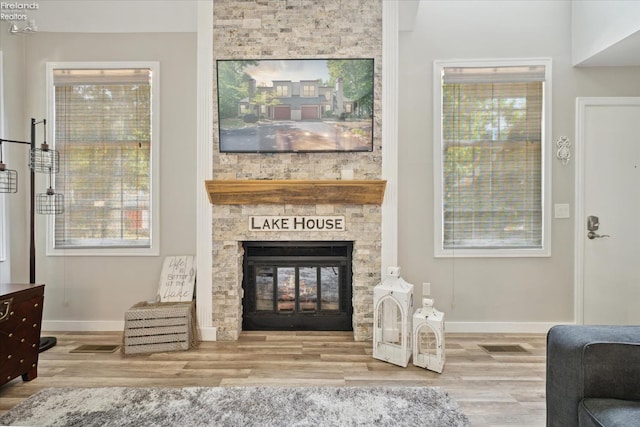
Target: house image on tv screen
{"points": [[304, 100], [295, 105]]}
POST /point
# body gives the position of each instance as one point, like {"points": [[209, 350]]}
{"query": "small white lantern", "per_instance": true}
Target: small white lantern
{"points": [[393, 305], [428, 337]]}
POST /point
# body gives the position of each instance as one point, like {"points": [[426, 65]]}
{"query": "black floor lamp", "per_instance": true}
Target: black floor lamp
{"points": [[41, 160]]}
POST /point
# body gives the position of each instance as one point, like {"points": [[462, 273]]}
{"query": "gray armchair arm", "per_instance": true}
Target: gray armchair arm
{"points": [[567, 350], [612, 370]]}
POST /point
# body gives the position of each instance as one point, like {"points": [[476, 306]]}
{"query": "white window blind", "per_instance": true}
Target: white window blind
{"points": [[103, 134], [492, 176]]}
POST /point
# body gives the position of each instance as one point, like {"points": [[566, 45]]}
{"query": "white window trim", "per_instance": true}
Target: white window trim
{"points": [[154, 249], [439, 251]]}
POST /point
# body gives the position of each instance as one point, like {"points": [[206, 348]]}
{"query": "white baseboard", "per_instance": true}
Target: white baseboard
{"points": [[501, 327], [210, 333], [82, 325], [50, 326]]}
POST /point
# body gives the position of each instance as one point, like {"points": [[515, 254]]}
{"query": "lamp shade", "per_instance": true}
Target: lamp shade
{"points": [[44, 160], [8, 180], [50, 203]]}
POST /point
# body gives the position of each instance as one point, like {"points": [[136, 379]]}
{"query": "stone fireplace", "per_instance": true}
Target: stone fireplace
{"points": [[281, 30], [327, 211]]}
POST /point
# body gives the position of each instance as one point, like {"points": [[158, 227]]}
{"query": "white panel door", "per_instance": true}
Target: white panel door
{"points": [[608, 191]]}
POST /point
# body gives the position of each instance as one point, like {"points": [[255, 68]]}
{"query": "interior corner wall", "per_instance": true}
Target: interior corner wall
{"points": [[600, 24], [93, 292]]}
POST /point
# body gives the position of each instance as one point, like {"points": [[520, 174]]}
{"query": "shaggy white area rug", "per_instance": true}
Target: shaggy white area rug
{"points": [[238, 406]]}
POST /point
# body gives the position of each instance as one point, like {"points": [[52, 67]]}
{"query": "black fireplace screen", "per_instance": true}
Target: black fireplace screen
{"points": [[297, 286]]}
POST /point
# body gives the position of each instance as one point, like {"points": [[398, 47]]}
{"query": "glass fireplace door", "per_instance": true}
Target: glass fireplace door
{"points": [[297, 289], [305, 292]]}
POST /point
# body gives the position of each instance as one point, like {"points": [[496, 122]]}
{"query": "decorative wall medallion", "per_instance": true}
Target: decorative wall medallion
{"points": [[563, 153]]}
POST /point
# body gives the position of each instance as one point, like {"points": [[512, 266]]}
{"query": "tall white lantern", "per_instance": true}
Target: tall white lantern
{"points": [[393, 305], [428, 337]]}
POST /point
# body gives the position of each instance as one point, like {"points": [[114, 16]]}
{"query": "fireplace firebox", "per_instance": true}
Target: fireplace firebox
{"points": [[297, 286]]}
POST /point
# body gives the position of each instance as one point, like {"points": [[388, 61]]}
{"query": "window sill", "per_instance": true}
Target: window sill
{"points": [[492, 253], [128, 252]]}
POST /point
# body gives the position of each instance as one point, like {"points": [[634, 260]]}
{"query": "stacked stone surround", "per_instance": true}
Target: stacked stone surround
{"points": [[297, 29]]}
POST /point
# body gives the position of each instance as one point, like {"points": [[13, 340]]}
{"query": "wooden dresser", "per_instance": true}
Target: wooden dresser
{"points": [[20, 324]]}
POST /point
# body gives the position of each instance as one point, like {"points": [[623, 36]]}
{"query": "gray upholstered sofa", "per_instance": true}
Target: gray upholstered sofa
{"points": [[593, 376]]}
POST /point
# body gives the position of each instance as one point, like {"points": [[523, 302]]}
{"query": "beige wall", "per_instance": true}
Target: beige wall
{"points": [[468, 290], [14, 128], [98, 290], [507, 290]]}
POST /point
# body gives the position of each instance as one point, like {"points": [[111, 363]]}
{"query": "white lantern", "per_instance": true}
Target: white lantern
{"points": [[393, 305], [428, 337]]}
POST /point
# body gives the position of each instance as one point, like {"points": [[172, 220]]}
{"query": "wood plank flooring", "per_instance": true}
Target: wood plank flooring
{"points": [[497, 389]]}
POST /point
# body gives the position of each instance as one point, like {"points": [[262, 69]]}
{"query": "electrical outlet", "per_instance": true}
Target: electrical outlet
{"points": [[426, 289]]}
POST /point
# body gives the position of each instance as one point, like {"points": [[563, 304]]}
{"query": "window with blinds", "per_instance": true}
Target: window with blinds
{"points": [[103, 132], [491, 159]]}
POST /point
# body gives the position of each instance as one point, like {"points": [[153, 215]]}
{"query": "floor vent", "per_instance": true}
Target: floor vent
{"points": [[95, 348], [504, 348]]}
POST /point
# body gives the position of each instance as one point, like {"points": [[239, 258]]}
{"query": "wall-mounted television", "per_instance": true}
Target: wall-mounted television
{"points": [[295, 105]]}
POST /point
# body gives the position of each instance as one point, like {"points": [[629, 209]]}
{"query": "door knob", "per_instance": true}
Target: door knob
{"points": [[593, 235]]}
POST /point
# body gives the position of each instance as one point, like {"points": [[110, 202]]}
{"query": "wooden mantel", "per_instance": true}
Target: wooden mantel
{"points": [[295, 192]]}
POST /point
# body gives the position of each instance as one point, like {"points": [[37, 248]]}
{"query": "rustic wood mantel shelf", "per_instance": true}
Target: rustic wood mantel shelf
{"points": [[295, 192]]}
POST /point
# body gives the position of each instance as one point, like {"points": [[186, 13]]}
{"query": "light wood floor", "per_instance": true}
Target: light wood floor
{"points": [[504, 389]]}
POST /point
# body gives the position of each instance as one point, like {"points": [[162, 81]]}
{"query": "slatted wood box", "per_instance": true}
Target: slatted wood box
{"points": [[159, 327]]}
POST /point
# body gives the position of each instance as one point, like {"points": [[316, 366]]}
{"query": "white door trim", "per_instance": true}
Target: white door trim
{"points": [[204, 165], [579, 227], [390, 82]]}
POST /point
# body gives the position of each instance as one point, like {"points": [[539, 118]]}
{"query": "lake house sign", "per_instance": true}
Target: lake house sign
{"points": [[297, 223]]}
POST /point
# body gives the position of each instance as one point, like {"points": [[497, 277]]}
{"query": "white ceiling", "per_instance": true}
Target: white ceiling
{"points": [[625, 52]]}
